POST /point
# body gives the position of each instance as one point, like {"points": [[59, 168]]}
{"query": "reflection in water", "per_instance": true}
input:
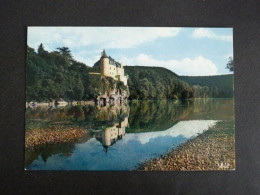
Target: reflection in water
{"points": [[161, 115], [186, 129], [127, 153], [111, 135], [129, 134], [48, 150]]}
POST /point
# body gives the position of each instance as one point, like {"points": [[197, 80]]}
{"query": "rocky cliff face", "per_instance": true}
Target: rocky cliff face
{"points": [[116, 95]]}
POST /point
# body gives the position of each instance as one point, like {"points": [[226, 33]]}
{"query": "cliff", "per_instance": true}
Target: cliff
{"points": [[115, 92]]}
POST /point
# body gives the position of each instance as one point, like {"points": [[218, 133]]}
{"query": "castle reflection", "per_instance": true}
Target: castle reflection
{"points": [[111, 135]]}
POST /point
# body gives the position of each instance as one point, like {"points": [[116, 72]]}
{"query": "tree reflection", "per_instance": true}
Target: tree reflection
{"points": [[109, 124], [160, 115], [47, 150]]}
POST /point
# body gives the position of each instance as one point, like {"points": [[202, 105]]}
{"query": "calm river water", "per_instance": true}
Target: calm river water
{"points": [[122, 136]]}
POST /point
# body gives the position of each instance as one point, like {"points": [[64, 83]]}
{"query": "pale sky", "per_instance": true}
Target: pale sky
{"points": [[185, 51]]}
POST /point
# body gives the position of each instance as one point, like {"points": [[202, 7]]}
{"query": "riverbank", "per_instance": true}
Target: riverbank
{"points": [[37, 137], [54, 104], [212, 150]]}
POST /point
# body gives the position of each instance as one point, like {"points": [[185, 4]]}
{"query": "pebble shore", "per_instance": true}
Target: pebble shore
{"points": [[212, 150], [36, 137]]}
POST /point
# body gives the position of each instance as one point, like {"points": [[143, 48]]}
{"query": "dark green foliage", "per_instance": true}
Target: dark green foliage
{"points": [[161, 83], [41, 51], [156, 83], [230, 64], [219, 86], [65, 52], [56, 75]]}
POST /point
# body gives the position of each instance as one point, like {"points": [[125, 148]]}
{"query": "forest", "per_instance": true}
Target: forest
{"points": [[57, 75], [156, 83], [161, 83], [219, 85]]}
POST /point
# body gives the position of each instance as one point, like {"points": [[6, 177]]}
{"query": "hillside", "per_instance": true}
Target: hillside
{"points": [[224, 83], [56, 75], [156, 83], [160, 83]]}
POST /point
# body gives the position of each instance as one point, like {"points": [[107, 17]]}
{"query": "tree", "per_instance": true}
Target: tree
{"points": [[30, 51], [185, 94], [41, 51], [65, 52], [230, 64], [40, 48], [78, 89]]}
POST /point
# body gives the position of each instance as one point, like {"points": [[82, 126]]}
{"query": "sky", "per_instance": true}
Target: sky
{"points": [[185, 51]]}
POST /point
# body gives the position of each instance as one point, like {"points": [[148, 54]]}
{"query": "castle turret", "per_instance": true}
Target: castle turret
{"points": [[103, 54], [108, 67], [104, 63], [122, 69]]}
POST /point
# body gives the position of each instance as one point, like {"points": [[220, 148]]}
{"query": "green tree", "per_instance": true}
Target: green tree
{"points": [[41, 51], [40, 48], [65, 52], [230, 64], [78, 90]]}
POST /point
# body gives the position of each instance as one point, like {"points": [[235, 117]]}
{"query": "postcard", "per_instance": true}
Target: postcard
{"points": [[129, 99]]}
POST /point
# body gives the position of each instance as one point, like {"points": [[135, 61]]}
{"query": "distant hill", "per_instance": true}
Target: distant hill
{"points": [[220, 81], [160, 83], [224, 83], [156, 83]]}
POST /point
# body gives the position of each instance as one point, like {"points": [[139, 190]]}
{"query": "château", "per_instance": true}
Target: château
{"points": [[108, 67]]}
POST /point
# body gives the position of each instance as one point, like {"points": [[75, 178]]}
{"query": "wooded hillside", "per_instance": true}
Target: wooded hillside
{"points": [[223, 83], [56, 75], [161, 83], [156, 83]]}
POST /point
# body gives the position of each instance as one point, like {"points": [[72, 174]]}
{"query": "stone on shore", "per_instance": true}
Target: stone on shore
{"points": [[211, 150]]}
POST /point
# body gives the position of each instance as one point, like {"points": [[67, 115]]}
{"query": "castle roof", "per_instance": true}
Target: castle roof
{"points": [[104, 55], [111, 60]]}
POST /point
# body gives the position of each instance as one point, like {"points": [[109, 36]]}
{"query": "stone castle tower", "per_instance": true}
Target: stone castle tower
{"points": [[108, 67]]}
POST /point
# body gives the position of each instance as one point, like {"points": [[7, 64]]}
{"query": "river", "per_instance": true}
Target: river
{"points": [[121, 137]]}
